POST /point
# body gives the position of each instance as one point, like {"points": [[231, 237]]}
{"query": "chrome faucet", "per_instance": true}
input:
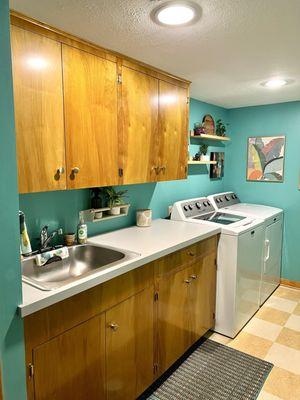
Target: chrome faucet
{"points": [[45, 238]]}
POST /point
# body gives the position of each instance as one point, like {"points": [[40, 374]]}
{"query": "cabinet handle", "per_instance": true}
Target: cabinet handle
{"points": [[187, 281], [191, 253], [75, 170], [59, 172], [156, 169], [114, 326], [193, 276], [163, 168]]}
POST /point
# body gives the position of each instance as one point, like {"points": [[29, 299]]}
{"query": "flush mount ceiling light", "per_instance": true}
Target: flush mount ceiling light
{"points": [[276, 83], [176, 13]]}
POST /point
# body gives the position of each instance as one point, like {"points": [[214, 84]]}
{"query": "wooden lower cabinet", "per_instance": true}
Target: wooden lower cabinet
{"points": [[112, 341], [174, 318], [129, 347], [72, 365]]}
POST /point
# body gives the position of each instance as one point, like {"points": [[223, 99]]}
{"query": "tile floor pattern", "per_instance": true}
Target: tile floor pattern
{"points": [[274, 335]]}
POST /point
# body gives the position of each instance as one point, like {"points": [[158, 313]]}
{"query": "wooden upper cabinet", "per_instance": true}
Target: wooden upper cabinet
{"points": [[72, 365], [38, 98], [173, 131], [139, 126], [90, 106]]}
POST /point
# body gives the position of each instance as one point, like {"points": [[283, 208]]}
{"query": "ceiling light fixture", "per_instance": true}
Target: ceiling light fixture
{"points": [[176, 13], [275, 83]]}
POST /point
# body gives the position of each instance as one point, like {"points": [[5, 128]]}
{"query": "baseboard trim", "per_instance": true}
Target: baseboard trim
{"points": [[287, 282]]}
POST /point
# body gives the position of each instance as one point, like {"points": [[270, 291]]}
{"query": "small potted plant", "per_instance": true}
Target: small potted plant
{"points": [[198, 129], [220, 128], [203, 152], [114, 199]]}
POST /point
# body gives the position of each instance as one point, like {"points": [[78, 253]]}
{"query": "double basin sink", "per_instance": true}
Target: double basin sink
{"points": [[84, 260]]}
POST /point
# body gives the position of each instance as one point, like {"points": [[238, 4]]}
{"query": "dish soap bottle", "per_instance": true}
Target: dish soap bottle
{"points": [[81, 230], [25, 246]]}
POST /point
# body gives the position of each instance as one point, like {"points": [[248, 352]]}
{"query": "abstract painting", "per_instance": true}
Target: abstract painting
{"points": [[265, 158], [217, 169]]}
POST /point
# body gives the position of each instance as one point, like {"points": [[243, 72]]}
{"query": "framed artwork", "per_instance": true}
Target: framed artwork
{"points": [[217, 170], [265, 158], [208, 124]]}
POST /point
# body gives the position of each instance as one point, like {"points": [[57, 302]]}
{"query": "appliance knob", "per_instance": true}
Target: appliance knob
{"points": [[205, 204], [232, 196], [209, 203], [221, 201], [217, 201], [227, 198], [190, 207], [185, 208], [198, 205]]}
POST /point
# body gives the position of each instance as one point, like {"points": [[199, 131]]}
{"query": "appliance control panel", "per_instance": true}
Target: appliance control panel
{"points": [[226, 199], [196, 207]]}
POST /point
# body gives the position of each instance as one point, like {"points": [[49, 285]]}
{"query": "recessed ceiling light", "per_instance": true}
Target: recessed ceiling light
{"points": [[176, 13], [275, 83]]}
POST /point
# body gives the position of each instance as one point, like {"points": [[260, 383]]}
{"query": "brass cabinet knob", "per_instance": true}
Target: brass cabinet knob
{"points": [[61, 170], [75, 170], [114, 326], [58, 173], [193, 276], [155, 168], [191, 253], [187, 281], [163, 168]]}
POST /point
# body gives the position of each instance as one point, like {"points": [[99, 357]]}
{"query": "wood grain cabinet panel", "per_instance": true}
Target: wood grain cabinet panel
{"points": [[174, 317], [203, 296], [139, 126], [72, 365], [129, 347], [173, 131], [38, 98], [90, 106]]}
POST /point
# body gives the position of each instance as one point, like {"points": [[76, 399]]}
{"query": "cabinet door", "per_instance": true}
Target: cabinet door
{"points": [[129, 346], [139, 122], [90, 101], [203, 296], [72, 365], [173, 131], [174, 319], [38, 98]]}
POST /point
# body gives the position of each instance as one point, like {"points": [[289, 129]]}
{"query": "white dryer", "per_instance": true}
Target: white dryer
{"points": [[273, 225], [238, 262]]}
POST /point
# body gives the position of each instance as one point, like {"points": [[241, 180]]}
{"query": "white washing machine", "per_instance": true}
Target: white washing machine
{"points": [[238, 263], [273, 225]]}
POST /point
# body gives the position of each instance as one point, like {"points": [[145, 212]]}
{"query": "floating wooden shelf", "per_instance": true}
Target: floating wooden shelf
{"points": [[210, 137], [202, 162], [89, 215]]}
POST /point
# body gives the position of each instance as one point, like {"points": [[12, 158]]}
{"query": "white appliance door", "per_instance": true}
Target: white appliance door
{"points": [[272, 260], [249, 263]]}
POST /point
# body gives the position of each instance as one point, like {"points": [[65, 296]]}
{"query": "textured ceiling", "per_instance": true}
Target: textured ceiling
{"points": [[234, 46]]}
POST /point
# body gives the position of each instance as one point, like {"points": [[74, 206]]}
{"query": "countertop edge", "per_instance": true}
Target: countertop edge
{"points": [[92, 281]]}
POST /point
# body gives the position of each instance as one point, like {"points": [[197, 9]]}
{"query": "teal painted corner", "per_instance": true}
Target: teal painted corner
{"points": [[11, 325], [277, 119]]}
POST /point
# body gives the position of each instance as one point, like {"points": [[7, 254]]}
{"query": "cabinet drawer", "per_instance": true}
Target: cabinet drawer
{"points": [[182, 258]]}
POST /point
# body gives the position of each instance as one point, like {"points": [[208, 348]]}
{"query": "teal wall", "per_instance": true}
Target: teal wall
{"points": [[60, 209], [11, 328], [278, 119]]}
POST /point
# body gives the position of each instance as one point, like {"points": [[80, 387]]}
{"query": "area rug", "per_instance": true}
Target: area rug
{"points": [[214, 372]]}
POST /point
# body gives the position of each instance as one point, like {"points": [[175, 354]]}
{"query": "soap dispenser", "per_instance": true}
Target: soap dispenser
{"points": [[81, 230]]}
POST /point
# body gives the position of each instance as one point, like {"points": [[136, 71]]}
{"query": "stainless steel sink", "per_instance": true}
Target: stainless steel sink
{"points": [[83, 260]]}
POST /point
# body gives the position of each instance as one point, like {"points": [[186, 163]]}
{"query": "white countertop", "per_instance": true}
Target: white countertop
{"points": [[162, 238]]}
